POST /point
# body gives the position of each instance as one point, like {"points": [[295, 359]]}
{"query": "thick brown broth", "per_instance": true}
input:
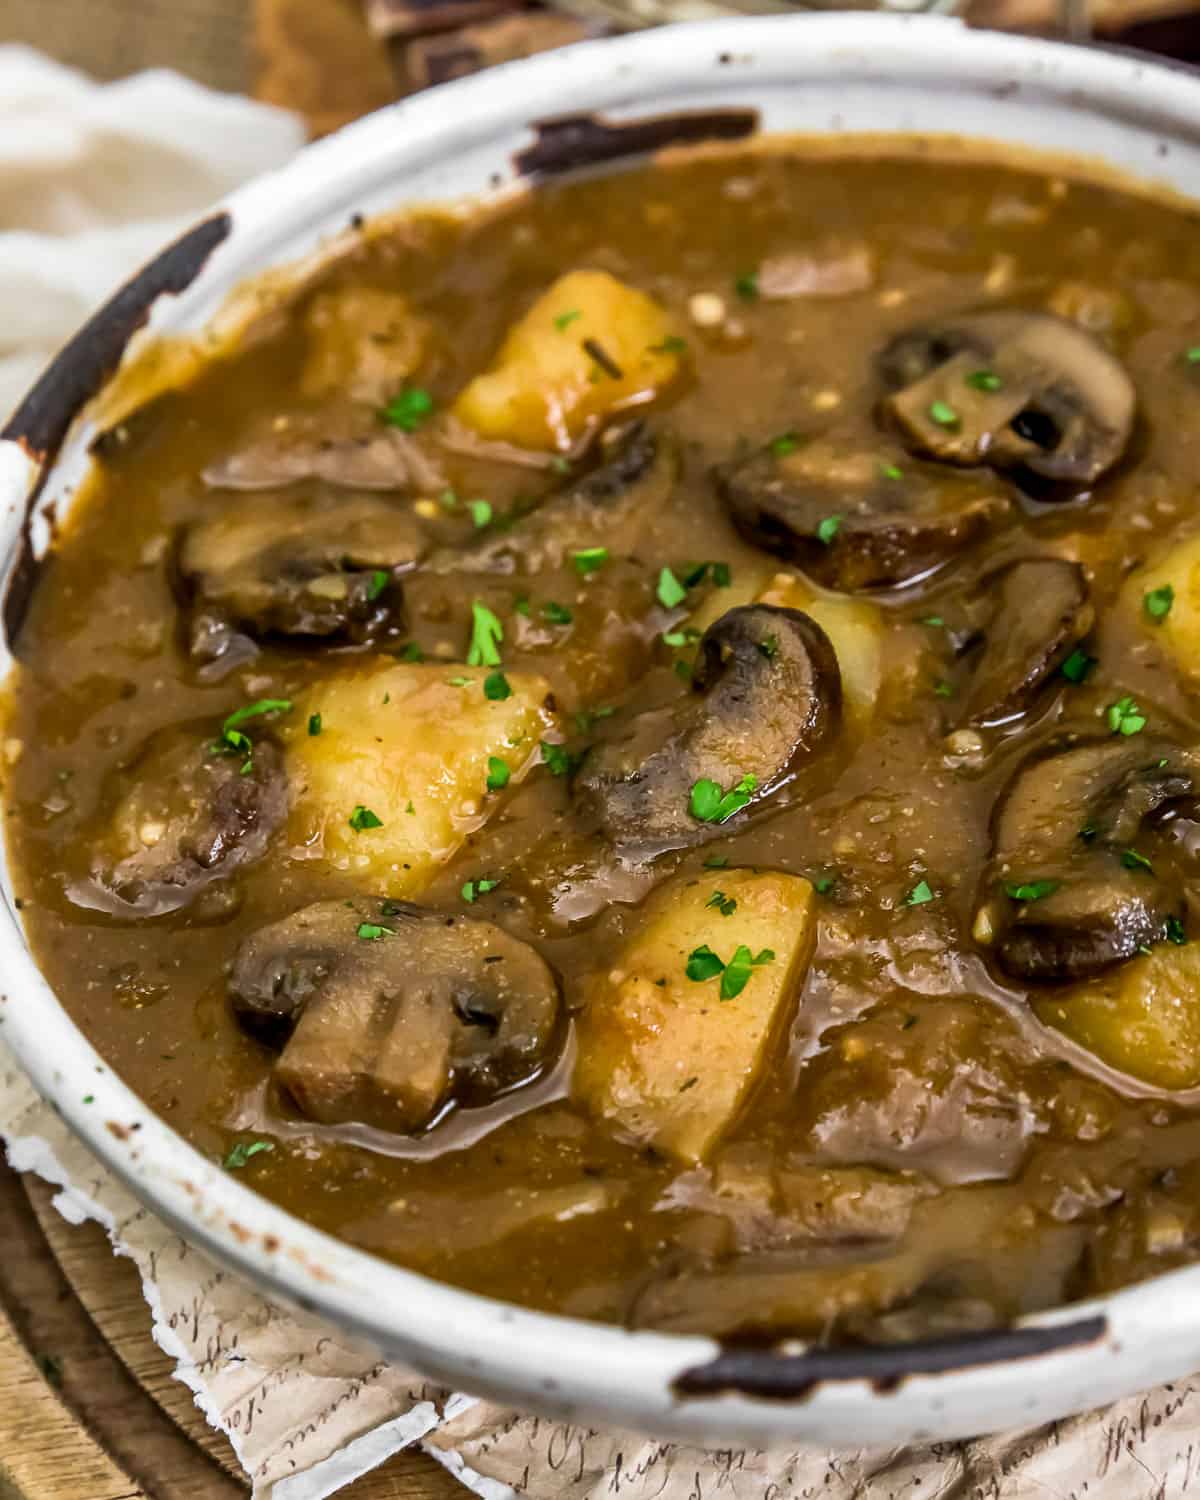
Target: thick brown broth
{"points": [[931, 1144]]}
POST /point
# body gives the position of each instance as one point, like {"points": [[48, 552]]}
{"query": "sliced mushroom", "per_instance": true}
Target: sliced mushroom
{"points": [[391, 1011], [851, 518], [295, 565], [187, 815], [349, 451], [1083, 872], [1040, 610], [1015, 390], [609, 506], [767, 695]]}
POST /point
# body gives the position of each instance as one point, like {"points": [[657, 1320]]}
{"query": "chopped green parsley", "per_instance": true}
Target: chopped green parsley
{"points": [[726, 905], [496, 687], [409, 409], [564, 320], [1078, 665], [703, 964], [828, 529], [476, 888], [919, 895], [746, 286], [589, 560], [243, 1151], [362, 817], [556, 614], [1132, 860], [711, 804], [314, 724], [943, 414], [1157, 602], [481, 512], [371, 932], [1031, 890], [785, 443], [1125, 717], [498, 774], [379, 581], [486, 633], [670, 591], [984, 380]]}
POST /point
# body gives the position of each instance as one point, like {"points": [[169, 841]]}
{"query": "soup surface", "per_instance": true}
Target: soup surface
{"points": [[639, 752]]}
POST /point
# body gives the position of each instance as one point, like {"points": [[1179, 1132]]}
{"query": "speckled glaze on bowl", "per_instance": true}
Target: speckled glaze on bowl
{"points": [[722, 79]]}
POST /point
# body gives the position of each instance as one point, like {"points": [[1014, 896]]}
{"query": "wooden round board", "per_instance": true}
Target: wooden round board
{"points": [[89, 1409]]}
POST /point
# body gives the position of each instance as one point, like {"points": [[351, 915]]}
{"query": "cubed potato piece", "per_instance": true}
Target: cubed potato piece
{"points": [[410, 746], [544, 386], [363, 342], [663, 1057], [1143, 1019], [1178, 632]]}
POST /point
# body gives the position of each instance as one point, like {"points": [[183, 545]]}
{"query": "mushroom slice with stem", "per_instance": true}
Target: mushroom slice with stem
{"points": [[851, 518], [188, 814], [767, 694], [295, 565], [1040, 610], [611, 505], [391, 1011], [1014, 390], [1090, 857]]}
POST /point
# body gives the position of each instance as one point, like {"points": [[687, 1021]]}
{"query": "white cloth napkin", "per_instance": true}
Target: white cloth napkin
{"points": [[95, 178]]}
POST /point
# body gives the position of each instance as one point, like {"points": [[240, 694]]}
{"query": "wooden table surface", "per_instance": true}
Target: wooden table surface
{"points": [[89, 1409]]}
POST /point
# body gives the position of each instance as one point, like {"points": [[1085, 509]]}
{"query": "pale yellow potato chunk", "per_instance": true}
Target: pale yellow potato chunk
{"points": [[1179, 632], [1143, 1019], [406, 743], [854, 627], [362, 342], [662, 1057], [544, 388]]}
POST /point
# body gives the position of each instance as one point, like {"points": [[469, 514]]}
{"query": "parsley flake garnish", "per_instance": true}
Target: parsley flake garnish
{"points": [[1132, 860], [408, 410], [943, 689], [475, 888], [703, 964], [589, 559], [670, 591], [314, 724], [557, 758], [920, 893], [711, 804], [1193, 355], [586, 717], [371, 932], [935, 621], [785, 443], [481, 512], [726, 905], [739, 969], [943, 414], [1031, 890], [746, 286], [564, 320], [556, 614], [769, 646], [823, 884], [412, 652], [362, 817], [486, 633], [379, 581], [1078, 665], [243, 1151], [1157, 602], [716, 861], [498, 774], [1175, 932], [672, 344], [984, 380], [891, 471], [256, 710], [496, 687], [828, 529], [1125, 717]]}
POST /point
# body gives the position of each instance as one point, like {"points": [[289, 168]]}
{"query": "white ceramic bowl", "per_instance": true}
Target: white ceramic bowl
{"points": [[837, 73]]}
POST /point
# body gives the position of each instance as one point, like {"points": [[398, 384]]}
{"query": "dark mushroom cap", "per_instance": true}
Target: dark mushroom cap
{"points": [[853, 519], [609, 506], [1083, 874], [1015, 390], [295, 565], [186, 816], [391, 1011], [1039, 610], [767, 694]]}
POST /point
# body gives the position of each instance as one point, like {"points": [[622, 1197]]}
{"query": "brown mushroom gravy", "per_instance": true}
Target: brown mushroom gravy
{"points": [[639, 751]]}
